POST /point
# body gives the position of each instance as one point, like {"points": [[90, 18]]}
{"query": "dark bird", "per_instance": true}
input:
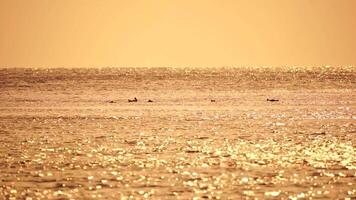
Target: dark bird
{"points": [[132, 100], [272, 100], [150, 101], [213, 100], [111, 101]]}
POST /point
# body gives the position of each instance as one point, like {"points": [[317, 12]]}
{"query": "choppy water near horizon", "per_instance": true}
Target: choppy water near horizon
{"points": [[209, 133]]}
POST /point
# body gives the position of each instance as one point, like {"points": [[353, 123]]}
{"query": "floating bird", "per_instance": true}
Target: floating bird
{"points": [[150, 101], [132, 100], [212, 100], [111, 101], [272, 100]]}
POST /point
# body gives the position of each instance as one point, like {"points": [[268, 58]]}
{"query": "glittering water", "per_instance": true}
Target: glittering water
{"points": [[72, 134]]}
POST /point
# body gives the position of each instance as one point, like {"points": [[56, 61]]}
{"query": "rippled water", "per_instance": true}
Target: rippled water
{"points": [[72, 134]]}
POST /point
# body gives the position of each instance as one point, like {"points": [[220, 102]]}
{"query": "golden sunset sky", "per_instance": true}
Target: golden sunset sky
{"points": [[110, 33]]}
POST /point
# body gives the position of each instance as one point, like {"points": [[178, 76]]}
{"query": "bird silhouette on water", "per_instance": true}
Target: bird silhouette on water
{"points": [[132, 100], [272, 100]]}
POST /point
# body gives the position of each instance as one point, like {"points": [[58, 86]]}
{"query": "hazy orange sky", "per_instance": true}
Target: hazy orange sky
{"points": [[101, 33]]}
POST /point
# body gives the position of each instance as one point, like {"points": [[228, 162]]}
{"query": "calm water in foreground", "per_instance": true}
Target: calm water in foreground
{"points": [[72, 134]]}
